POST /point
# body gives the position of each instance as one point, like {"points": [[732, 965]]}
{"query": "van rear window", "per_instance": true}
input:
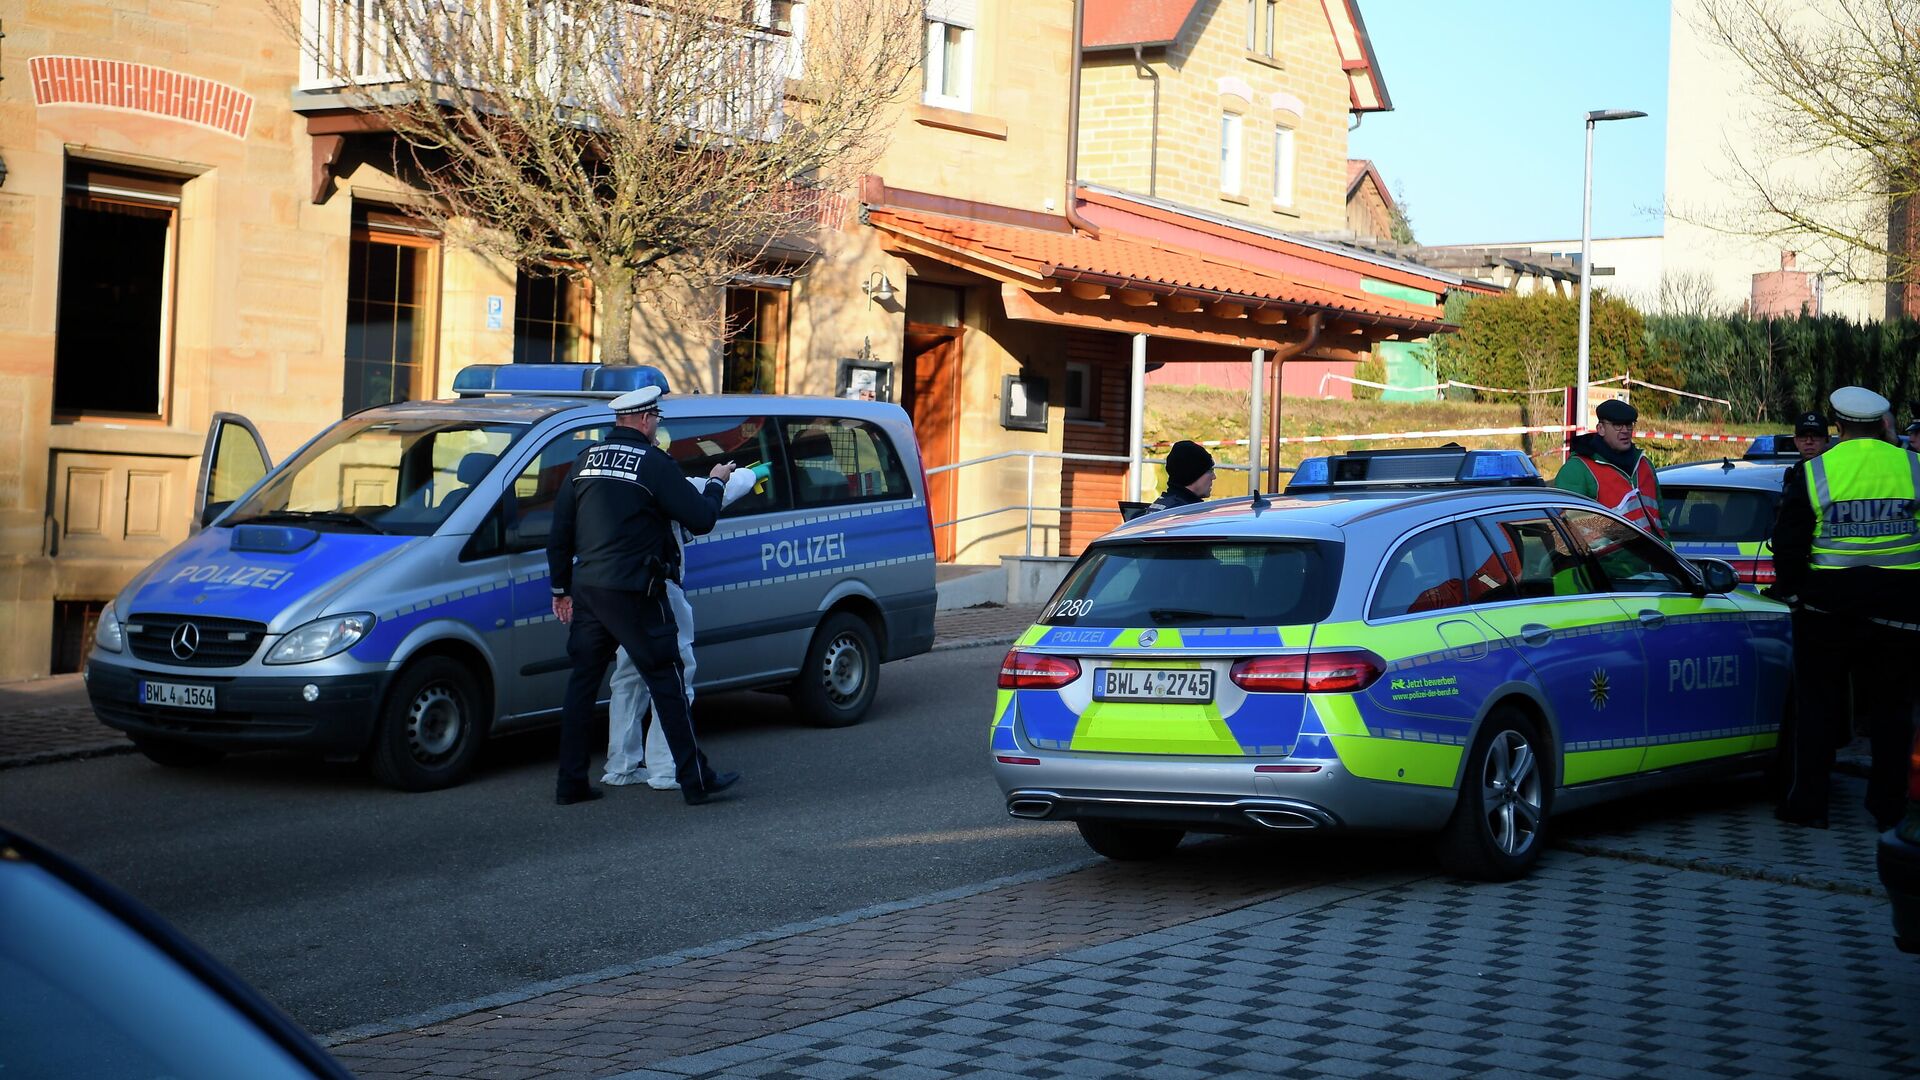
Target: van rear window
{"points": [[1199, 583], [1724, 515]]}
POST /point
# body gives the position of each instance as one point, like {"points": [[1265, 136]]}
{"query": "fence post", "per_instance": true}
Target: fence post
{"points": [[1030, 504]]}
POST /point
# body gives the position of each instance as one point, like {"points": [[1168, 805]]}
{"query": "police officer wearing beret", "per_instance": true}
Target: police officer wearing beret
{"points": [[1607, 467], [611, 553], [1846, 552]]}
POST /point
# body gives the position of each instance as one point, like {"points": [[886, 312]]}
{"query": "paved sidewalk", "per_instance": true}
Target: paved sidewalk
{"points": [[45, 720], [1302, 956]]}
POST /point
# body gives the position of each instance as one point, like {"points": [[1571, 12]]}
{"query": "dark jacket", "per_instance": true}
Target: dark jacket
{"points": [[1175, 495], [1860, 590], [611, 518]]}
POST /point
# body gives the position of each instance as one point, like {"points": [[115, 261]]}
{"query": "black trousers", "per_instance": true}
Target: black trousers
{"points": [[1829, 652], [608, 619]]}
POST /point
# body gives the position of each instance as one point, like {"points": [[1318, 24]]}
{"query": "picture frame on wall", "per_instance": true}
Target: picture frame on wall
{"points": [[864, 380], [1023, 403]]}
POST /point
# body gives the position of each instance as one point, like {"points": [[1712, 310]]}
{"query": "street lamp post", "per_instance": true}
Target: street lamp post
{"points": [[1586, 256]]}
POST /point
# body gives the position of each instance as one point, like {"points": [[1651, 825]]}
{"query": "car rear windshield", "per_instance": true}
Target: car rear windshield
{"points": [[1199, 583], [1724, 515]]}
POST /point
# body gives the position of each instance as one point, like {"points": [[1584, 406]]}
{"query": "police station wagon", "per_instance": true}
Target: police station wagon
{"points": [[382, 593], [1358, 654]]}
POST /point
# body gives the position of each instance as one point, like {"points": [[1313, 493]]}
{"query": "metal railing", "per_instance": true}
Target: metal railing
{"points": [[1053, 455]]}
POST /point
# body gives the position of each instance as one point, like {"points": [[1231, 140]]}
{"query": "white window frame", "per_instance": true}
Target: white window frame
{"points": [[1284, 164], [1271, 41], [1082, 407], [1253, 23], [937, 66], [1232, 153]]}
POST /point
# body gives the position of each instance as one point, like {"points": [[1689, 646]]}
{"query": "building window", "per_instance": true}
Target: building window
{"points": [[552, 319], [1230, 153], [116, 269], [1272, 37], [392, 282], [756, 340], [949, 59], [1282, 167], [1079, 393], [1253, 23]]}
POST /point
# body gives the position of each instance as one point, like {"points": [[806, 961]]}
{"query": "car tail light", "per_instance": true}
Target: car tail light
{"points": [[1913, 770], [1326, 671], [1037, 671], [1753, 571]]}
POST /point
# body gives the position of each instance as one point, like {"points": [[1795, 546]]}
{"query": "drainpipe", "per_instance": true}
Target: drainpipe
{"points": [[1073, 127], [1144, 70], [1280, 358]]}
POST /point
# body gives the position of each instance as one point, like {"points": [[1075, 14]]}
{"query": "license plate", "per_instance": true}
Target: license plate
{"points": [[176, 695], [1150, 684]]}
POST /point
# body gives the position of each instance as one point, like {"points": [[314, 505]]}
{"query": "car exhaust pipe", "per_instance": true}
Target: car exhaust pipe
{"points": [[1283, 819], [1030, 808]]}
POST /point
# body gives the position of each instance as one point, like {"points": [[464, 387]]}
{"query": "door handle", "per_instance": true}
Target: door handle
{"points": [[1535, 634], [1653, 620]]}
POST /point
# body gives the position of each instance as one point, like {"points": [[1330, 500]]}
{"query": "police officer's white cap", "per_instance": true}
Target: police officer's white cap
{"points": [[633, 401], [1858, 404]]}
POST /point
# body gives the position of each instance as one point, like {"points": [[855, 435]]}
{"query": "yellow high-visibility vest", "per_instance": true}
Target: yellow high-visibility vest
{"points": [[1865, 511]]}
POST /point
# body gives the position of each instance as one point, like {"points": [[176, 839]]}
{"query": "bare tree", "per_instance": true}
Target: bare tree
{"points": [[650, 148], [1835, 93], [1688, 293]]}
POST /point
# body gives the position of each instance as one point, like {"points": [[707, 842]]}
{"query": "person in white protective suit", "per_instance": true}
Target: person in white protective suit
{"points": [[636, 750]]}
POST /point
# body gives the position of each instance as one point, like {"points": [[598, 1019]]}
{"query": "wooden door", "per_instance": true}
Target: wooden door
{"points": [[932, 399]]}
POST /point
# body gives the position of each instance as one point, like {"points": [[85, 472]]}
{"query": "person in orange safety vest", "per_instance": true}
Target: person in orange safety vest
{"points": [[1607, 467]]}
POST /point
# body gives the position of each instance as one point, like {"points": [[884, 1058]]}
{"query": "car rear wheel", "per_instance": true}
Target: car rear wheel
{"points": [[1130, 843], [841, 674], [176, 755], [430, 728], [1499, 825]]}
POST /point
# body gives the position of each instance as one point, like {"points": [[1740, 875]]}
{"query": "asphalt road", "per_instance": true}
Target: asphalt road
{"points": [[348, 903]]}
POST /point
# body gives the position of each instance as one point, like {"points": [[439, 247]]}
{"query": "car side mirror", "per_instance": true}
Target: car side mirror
{"points": [[213, 510], [1718, 575]]}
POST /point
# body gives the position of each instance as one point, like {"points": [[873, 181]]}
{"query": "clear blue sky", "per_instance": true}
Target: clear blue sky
{"points": [[1486, 137]]}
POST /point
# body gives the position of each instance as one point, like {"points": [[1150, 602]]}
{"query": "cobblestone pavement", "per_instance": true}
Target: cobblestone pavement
{"points": [[1634, 950], [49, 719]]}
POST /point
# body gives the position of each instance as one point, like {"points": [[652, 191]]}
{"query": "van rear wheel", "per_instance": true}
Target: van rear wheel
{"points": [[430, 727], [841, 674]]}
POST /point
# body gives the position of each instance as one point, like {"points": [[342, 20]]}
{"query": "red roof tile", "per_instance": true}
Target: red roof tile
{"points": [[1110, 24], [1119, 260]]}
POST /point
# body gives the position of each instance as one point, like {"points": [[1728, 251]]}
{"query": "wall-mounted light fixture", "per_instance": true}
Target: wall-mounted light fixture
{"points": [[878, 288]]}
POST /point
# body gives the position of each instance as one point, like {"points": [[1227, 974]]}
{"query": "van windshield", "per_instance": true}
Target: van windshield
{"points": [[381, 475], [1199, 583]]}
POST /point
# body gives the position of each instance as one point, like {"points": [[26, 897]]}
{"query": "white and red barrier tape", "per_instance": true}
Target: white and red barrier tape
{"points": [[1651, 436], [1451, 383]]}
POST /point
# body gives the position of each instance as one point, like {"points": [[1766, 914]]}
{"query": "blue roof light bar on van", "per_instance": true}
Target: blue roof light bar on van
{"points": [[555, 380], [1447, 465]]}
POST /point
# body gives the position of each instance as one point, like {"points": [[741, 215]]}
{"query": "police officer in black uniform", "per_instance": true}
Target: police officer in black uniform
{"points": [[611, 554]]}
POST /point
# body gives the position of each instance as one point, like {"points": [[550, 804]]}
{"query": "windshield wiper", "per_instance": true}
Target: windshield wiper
{"points": [[331, 517]]}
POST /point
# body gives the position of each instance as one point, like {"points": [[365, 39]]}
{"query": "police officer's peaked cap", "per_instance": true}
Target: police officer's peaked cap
{"points": [[1811, 423], [1615, 411], [633, 401], [1858, 404]]}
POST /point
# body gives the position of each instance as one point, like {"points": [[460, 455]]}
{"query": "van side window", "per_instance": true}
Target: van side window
{"points": [[527, 510], [839, 460], [1422, 575], [698, 443]]}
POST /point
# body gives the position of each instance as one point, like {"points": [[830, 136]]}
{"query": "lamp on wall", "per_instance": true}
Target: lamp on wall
{"points": [[878, 288]]}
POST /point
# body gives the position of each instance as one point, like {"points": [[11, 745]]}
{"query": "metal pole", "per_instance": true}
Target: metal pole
{"points": [[1136, 415], [1586, 282], [1030, 504], [1255, 433]]}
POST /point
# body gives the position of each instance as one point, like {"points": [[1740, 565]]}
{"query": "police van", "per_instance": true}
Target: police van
{"points": [[1424, 640], [383, 592]]}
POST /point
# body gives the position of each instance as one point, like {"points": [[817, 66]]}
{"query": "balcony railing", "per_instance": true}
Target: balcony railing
{"points": [[735, 83]]}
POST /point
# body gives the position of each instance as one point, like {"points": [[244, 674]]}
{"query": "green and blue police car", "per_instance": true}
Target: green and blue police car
{"points": [[1422, 640], [1725, 509]]}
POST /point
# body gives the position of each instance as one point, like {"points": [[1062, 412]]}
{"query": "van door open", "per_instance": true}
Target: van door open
{"points": [[234, 460]]}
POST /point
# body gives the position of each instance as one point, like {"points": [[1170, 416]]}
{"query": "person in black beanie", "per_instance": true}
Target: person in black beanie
{"points": [[1189, 476]]}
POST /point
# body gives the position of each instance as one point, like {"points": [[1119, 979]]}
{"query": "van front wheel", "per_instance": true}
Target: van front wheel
{"points": [[841, 673], [430, 728]]}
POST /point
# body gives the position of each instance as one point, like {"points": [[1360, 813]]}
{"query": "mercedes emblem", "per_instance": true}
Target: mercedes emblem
{"points": [[186, 641], [1148, 637]]}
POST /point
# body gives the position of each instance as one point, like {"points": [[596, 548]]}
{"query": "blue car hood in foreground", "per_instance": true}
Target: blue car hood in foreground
{"points": [[207, 575]]}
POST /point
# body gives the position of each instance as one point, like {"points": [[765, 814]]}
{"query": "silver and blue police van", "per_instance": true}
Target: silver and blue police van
{"points": [[382, 593]]}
